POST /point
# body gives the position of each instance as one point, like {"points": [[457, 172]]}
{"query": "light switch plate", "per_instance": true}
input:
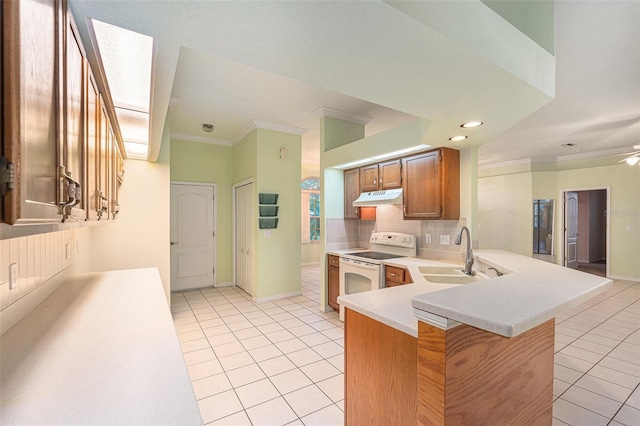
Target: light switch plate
{"points": [[428, 238], [445, 240], [267, 234], [13, 276]]}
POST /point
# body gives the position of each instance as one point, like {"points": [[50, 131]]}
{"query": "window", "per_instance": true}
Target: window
{"points": [[310, 209]]}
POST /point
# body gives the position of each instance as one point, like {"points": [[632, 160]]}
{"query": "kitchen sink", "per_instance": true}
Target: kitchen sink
{"points": [[441, 270], [452, 279]]}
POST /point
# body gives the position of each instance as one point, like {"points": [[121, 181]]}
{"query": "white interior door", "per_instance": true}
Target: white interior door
{"points": [[192, 236], [571, 229], [244, 224]]}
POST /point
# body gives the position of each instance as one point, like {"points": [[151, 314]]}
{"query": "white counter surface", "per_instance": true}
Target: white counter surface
{"points": [[531, 293], [102, 349]]}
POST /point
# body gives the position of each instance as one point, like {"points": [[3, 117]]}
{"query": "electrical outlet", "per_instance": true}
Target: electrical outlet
{"points": [[13, 276], [629, 228], [445, 240], [428, 238], [267, 234], [341, 235]]}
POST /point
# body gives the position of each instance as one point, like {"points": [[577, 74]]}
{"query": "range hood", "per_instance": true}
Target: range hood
{"points": [[379, 198]]}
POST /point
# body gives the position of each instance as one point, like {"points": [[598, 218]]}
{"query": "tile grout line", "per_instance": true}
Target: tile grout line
{"points": [[597, 363]]}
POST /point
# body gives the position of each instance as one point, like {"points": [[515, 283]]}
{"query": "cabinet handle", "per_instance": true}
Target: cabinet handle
{"points": [[73, 190], [102, 202], [391, 274], [375, 180], [404, 210], [380, 180]]}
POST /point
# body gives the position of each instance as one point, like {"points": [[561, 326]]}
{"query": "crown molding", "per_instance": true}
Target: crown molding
{"points": [[255, 124], [526, 161], [559, 159], [325, 111], [200, 139], [593, 154]]}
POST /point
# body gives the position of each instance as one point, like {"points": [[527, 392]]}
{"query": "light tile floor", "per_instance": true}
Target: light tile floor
{"points": [[282, 362]]}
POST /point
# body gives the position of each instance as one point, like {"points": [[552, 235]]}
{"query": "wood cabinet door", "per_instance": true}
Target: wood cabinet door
{"points": [[72, 161], [31, 101], [351, 193], [103, 163], [369, 178], [92, 149], [114, 186], [390, 174], [334, 286], [422, 186]]}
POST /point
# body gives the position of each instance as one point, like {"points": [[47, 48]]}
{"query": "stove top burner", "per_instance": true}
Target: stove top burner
{"points": [[375, 255]]}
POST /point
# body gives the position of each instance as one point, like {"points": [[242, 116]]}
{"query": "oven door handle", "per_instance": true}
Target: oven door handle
{"points": [[358, 264]]}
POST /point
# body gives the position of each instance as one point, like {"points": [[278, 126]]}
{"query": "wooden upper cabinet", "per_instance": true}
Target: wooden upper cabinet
{"points": [[56, 138], [32, 134], [73, 118], [390, 174], [104, 148], [351, 193], [431, 185], [91, 198], [376, 177], [369, 178]]}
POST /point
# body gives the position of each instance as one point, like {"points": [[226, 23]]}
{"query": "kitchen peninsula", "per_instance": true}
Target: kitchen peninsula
{"points": [[478, 353]]}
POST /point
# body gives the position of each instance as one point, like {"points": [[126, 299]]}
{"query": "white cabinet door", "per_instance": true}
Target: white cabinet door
{"points": [[244, 224], [192, 236]]}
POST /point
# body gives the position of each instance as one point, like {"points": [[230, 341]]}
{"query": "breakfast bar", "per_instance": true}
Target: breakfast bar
{"points": [[478, 353]]}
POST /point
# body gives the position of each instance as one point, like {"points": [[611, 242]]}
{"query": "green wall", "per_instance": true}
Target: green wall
{"points": [[336, 132], [624, 182], [209, 163], [278, 258], [533, 18], [505, 214], [506, 218]]}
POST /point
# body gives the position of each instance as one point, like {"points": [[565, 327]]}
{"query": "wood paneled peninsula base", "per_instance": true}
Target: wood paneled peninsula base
{"points": [[459, 376]]}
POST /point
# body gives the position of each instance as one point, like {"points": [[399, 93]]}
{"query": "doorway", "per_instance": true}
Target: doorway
{"points": [[192, 235], [585, 242], [243, 202]]}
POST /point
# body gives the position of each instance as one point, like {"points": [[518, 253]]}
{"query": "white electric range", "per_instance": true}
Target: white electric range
{"points": [[362, 271]]}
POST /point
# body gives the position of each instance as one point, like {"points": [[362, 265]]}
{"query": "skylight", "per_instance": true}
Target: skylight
{"points": [[127, 60]]}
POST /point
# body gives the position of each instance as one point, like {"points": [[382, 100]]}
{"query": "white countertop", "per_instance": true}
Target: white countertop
{"points": [[102, 349], [531, 293]]}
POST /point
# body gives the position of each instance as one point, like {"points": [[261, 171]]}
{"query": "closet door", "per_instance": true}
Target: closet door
{"points": [[244, 237]]}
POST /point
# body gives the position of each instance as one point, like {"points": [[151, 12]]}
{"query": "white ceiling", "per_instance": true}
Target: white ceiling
{"points": [[597, 103], [228, 63]]}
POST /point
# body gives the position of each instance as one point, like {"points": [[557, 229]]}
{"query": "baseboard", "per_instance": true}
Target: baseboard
{"points": [[276, 297], [224, 284], [311, 264], [620, 277]]}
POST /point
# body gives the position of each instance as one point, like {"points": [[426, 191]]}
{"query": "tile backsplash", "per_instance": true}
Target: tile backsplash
{"points": [[342, 233], [43, 261]]}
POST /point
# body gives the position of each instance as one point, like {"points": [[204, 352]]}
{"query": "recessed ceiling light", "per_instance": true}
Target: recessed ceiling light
{"points": [[207, 127], [471, 124], [457, 138]]}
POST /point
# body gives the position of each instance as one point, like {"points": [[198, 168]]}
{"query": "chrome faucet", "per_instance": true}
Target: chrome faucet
{"points": [[468, 261]]}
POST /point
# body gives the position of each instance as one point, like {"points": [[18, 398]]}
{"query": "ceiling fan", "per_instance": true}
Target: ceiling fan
{"points": [[632, 158]]}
